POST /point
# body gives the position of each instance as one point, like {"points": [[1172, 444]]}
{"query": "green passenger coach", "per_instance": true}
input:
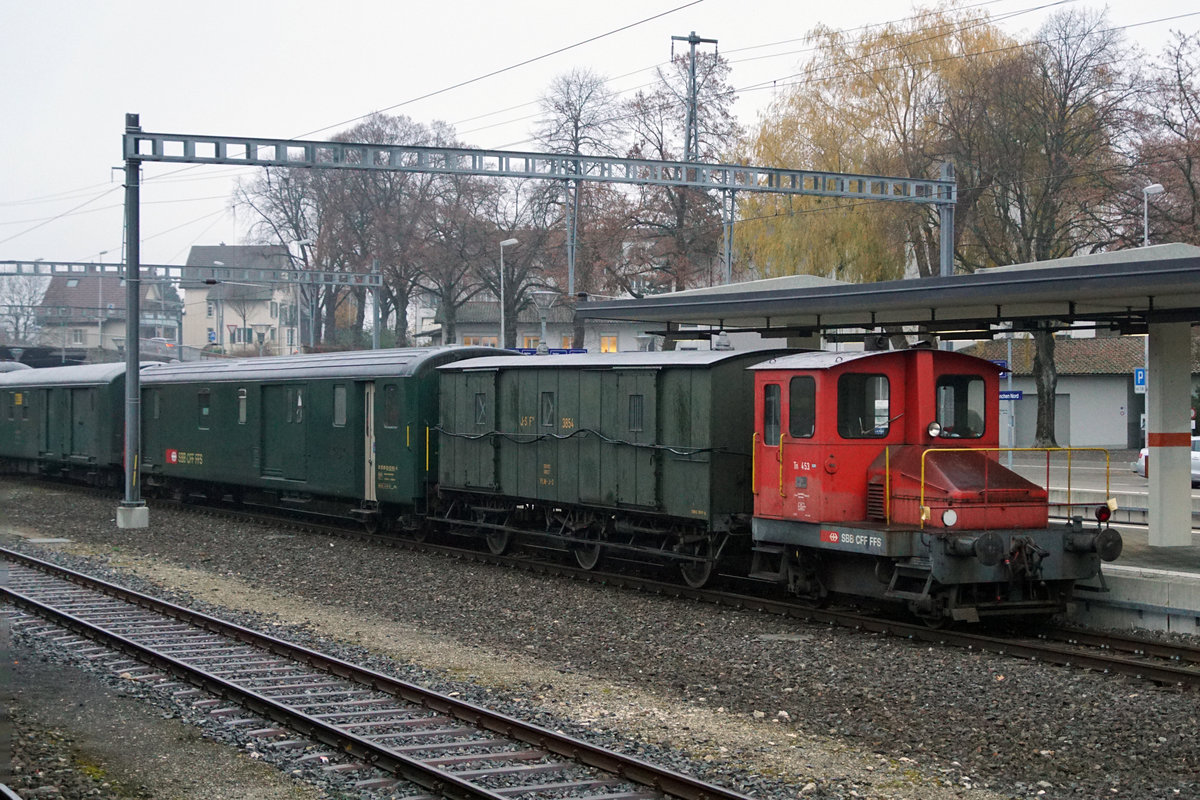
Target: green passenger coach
{"points": [[645, 455], [64, 421], [331, 433]]}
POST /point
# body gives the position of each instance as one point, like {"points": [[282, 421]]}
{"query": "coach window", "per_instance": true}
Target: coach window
{"points": [[481, 416], [203, 398], [637, 403], [960, 406], [155, 404], [391, 406], [864, 406], [771, 395], [339, 405], [299, 405], [547, 409], [802, 406]]}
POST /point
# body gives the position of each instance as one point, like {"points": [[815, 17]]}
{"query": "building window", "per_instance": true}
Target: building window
{"points": [[76, 336], [202, 409], [608, 344], [636, 413], [72, 283], [568, 341], [274, 309], [208, 312], [770, 431], [339, 405], [481, 341], [241, 406], [531, 342]]}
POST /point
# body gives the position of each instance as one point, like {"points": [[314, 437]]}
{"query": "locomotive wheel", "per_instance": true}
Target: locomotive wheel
{"points": [[697, 573], [497, 542]]}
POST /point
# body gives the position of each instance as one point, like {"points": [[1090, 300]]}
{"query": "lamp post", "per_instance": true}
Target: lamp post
{"points": [[1154, 188], [504, 244], [300, 243], [100, 305]]}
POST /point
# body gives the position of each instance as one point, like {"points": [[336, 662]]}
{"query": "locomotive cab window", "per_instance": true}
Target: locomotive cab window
{"points": [[770, 409], [802, 406], [960, 406], [864, 406]]}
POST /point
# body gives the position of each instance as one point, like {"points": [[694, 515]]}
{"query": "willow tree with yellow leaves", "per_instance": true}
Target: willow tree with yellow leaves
{"points": [[864, 102]]}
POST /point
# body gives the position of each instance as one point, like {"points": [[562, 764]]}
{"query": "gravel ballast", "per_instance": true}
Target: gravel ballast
{"points": [[774, 707]]}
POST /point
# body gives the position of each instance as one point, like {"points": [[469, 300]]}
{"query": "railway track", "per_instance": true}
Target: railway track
{"points": [[446, 746], [1108, 652]]}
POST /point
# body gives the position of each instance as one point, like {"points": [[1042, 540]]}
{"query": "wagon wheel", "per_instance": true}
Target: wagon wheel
{"points": [[697, 573], [497, 542], [589, 553]]}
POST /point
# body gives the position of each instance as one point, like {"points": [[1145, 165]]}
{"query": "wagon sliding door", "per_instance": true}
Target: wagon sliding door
{"points": [[284, 442]]}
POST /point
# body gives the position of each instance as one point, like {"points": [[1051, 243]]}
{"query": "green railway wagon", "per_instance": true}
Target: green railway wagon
{"points": [[64, 421], [642, 454], [339, 433]]}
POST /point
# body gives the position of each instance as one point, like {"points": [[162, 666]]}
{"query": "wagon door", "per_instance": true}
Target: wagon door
{"points": [[369, 437], [768, 466], [83, 423], [283, 426]]}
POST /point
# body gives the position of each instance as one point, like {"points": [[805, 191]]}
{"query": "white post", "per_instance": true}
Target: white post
{"points": [[1169, 434]]}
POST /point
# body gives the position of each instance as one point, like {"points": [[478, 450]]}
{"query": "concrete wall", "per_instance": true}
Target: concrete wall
{"points": [[1091, 411]]}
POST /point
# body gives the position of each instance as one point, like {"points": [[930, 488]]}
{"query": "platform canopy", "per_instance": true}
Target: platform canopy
{"points": [[1121, 290]]}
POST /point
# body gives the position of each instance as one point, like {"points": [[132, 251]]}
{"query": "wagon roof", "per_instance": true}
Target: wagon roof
{"points": [[75, 375], [353, 364], [821, 359], [631, 360]]}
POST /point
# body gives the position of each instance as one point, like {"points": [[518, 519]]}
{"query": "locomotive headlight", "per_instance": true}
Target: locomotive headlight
{"points": [[934, 429], [949, 517]]}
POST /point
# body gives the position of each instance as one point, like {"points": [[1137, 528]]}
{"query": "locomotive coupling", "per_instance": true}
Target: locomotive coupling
{"points": [[987, 547]]}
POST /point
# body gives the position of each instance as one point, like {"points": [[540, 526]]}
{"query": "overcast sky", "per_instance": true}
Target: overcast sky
{"points": [[70, 70]]}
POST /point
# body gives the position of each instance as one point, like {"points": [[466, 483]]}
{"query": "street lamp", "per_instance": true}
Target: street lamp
{"points": [[1154, 188], [504, 244]]}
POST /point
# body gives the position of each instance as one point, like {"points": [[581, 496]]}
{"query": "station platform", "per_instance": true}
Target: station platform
{"points": [[1152, 588]]}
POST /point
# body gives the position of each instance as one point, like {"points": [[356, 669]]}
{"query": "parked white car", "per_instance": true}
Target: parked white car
{"points": [[1139, 466]]}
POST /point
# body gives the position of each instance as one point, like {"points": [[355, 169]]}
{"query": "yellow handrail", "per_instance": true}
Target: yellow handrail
{"points": [[754, 463], [780, 457], [1070, 451]]}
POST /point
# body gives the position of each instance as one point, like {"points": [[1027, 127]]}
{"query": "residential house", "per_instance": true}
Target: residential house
{"points": [[1096, 401], [240, 317], [87, 312], [478, 323]]}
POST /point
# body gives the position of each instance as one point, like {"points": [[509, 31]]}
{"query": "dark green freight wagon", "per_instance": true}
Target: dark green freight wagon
{"points": [[64, 421], [636, 455], [330, 433]]}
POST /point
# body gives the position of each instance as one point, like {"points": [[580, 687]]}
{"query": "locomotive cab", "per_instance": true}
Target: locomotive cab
{"points": [[877, 474]]}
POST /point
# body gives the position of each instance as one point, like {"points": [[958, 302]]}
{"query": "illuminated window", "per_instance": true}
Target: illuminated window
{"points": [[481, 341], [608, 344], [531, 342], [568, 342]]}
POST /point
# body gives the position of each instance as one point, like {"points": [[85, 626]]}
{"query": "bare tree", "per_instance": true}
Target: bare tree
{"points": [[20, 295], [681, 227], [1037, 136]]}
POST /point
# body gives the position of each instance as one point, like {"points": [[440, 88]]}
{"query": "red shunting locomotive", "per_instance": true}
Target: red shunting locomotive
{"points": [[877, 474]]}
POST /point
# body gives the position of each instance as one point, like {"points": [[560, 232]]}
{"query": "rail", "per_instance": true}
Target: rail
{"points": [[927, 512]]}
